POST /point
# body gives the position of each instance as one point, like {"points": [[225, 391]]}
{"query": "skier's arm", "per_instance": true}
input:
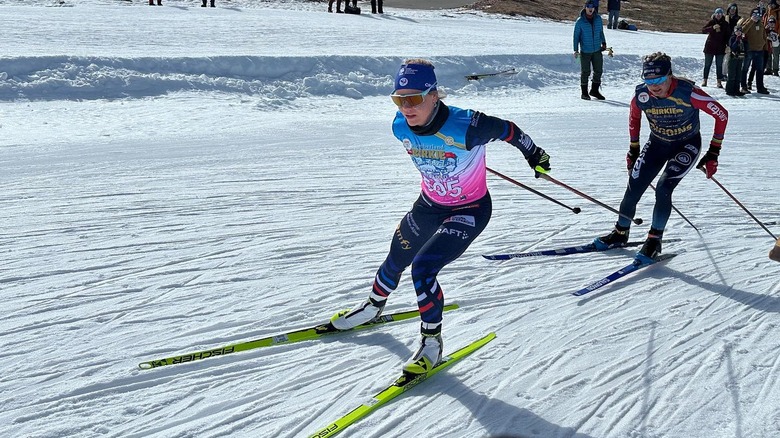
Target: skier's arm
{"points": [[634, 126], [704, 102], [484, 129], [634, 123]]}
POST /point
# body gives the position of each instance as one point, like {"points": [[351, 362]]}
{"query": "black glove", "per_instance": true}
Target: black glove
{"points": [[631, 157], [604, 46], [709, 162], [539, 162]]}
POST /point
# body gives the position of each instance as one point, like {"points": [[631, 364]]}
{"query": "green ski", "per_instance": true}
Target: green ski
{"points": [[401, 385], [284, 338]]}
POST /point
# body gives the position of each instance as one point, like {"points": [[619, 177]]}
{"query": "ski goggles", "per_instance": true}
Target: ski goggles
{"points": [[656, 81], [411, 100]]}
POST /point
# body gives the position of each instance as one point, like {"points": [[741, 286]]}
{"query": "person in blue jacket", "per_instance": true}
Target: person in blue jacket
{"points": [[447, 146], [589, 42]]}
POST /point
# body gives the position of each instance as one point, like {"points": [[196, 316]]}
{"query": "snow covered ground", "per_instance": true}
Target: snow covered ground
{"points": [[178, 178]]}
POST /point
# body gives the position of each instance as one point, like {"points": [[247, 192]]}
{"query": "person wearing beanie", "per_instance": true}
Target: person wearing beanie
{"points": [[737, 48], [755, 34], [732, 16], [589, 43], [671, 106], [718, 33], [448, 147]]}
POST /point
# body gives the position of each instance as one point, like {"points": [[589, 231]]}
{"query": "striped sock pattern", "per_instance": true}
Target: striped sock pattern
{"points": [[431, 303], [384, 285]]}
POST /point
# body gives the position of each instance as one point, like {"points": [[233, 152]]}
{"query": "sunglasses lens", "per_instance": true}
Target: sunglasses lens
{"points": [[656, 81], [409, 100]]}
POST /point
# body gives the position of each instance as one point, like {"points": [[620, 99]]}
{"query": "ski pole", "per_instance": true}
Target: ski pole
{"points": [[743, 207], [595, 201], [681, 215], [575, 210]]}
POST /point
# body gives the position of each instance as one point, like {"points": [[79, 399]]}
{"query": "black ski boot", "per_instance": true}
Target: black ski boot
{"points": [[584, 92], [616, 239], [651, 248], [594, 91]]}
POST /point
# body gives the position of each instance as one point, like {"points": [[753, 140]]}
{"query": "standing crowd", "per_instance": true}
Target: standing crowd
{"points": [[745, 49]]}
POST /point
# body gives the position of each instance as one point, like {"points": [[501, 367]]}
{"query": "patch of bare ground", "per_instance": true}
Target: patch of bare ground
{"points": [[681, 16]]}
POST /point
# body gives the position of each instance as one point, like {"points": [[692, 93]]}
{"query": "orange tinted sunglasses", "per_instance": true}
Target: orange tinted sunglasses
{"points": [[410, 100]]}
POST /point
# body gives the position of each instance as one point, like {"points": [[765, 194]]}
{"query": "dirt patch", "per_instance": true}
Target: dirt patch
{"points": [[681, 16]]}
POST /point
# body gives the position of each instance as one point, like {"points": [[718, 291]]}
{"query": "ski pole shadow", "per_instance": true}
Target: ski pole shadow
{"points": [[371, 338], [498, 418], [758, 301]]}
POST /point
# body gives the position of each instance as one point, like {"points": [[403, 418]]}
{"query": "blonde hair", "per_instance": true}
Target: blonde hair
{"points": [[418, 61], [657, 56]]}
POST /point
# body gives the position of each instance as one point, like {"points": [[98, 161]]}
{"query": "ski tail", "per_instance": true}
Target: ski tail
{"points": [[620, 273], [581, 249]]}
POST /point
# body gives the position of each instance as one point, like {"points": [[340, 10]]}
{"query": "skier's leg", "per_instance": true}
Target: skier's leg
{"points": [[647, 166]]}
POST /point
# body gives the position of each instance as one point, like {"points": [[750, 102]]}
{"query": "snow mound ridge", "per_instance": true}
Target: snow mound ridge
{"points": [[286, 78]]}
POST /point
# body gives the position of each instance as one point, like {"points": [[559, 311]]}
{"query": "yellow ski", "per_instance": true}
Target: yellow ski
{"points": [[284, 338], [401, 385]]}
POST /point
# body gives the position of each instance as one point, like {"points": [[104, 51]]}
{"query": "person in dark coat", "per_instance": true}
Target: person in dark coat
{"points": [[732, 15], [718, 33], [737, 49], [613, 7]]}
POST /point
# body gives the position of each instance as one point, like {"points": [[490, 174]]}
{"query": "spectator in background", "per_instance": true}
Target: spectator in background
{"points": [[772, 11], [737, 48], [755, 33], [718, 33], [761, 7], [732, 16], [330, 6], [151, 2], [374, 6], [773, 47], [589, 42], [212, 4], [613, 7]]}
